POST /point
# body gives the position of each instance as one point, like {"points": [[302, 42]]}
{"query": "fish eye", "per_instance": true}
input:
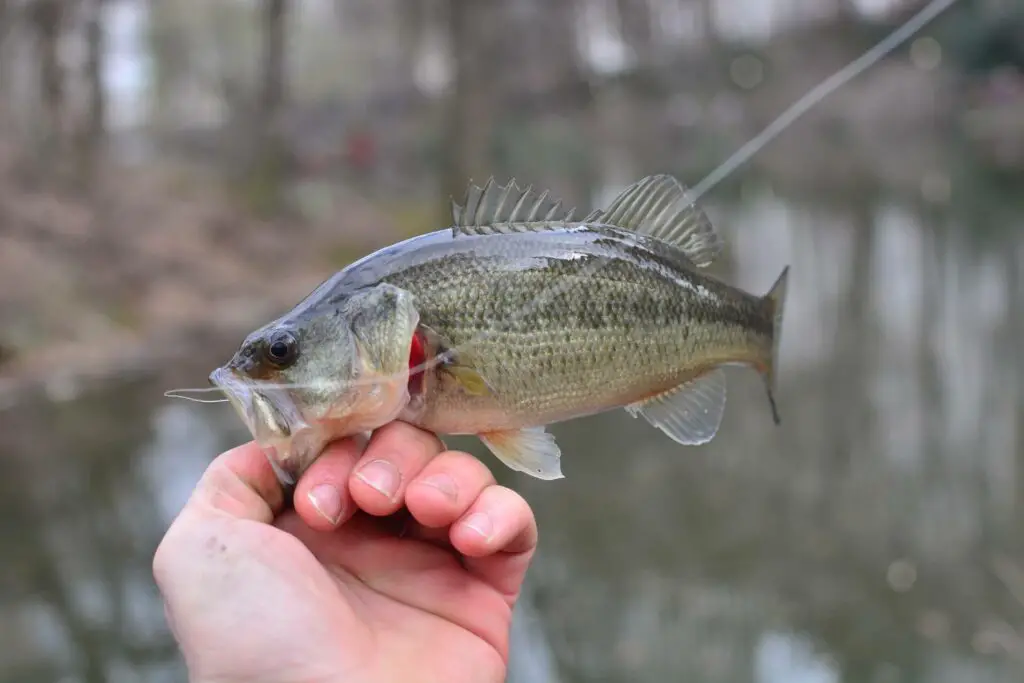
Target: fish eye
{"points": [[282, 348]]}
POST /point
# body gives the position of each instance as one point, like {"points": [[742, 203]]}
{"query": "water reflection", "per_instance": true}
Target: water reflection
{"points": [[854, 543]]}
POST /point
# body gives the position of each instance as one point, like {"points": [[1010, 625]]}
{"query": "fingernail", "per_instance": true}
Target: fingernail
{"points": [[443, 483], [381, 475], [480, 522], [327, 501]]}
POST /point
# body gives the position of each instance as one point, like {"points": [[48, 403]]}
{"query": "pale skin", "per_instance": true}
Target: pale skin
{"points": [[415, 584]]}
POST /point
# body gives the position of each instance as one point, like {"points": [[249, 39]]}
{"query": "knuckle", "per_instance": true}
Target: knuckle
{"points": [[470, 464], [429, 442], [401, 437], [504, 494]]}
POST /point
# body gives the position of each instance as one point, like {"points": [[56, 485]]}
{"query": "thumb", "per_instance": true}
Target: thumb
{"points": [[204, 566], [238, 486], [239, 483]]}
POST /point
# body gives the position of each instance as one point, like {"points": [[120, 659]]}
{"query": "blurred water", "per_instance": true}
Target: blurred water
{"points": [[855, 543]]}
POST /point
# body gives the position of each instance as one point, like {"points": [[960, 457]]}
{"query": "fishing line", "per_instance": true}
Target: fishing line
{"points": [[741, 156], [821, 91], [197, 390], [321, 384], [179, 393]]}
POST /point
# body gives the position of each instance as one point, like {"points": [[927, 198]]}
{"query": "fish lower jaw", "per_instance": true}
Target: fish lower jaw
{"points": [[292, 456]]}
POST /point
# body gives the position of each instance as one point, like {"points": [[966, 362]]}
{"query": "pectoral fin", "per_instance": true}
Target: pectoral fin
{"points": [[532, 451], [689, 414], [458, 364], [469, 379]]}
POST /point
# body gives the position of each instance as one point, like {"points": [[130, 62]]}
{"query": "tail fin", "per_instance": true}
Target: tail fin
{"points": [[774, 302]]}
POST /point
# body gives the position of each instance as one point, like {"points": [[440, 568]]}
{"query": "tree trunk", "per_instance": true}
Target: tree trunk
{"points": [[6, 16], [635, 27], [168, 49], [473, 26], [709, 30], [47, 18], [411, 18], [267, 181], [273, 91], [94, 133]]}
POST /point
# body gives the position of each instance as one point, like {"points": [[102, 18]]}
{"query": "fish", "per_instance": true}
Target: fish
{"points": [[515, 317]]}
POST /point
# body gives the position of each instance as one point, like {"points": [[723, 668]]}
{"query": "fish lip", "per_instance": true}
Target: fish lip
{"points": [[238, 394], [274, 421], [268, 414]]}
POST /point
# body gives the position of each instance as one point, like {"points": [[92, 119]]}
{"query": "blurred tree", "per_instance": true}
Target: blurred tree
{"points": [[271, 156], [6, 16], [274, 73], [46, 17], [92, 136], [411, 18], [96, 51], [513, 63], [168, 53], [982, 37], [635, 27], [709, 29], [849, 10], [475, 32]]}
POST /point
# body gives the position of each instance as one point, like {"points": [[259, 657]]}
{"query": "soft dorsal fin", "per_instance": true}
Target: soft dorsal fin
{"points": [[506, 208], [658, 205]]}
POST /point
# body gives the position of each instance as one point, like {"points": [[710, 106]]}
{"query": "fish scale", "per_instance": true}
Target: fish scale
{"points": [[616, 329]]}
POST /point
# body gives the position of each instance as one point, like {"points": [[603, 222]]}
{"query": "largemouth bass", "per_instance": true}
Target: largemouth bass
{"points": [[515, 317]]}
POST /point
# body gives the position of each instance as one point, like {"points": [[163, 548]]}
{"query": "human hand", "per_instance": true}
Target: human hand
{"points": [[351, 591]]}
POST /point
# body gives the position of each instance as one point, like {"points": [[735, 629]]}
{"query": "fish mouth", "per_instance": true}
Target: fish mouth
{"points": [[272, 418], [269, 415]]}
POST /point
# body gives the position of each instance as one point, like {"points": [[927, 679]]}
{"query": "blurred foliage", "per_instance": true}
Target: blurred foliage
{"points": [[982, 36]]}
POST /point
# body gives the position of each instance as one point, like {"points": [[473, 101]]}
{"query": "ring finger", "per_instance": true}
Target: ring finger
{"points": [[396, 454]]}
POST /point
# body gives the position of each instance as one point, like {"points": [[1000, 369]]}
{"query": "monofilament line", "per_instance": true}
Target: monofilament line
{"points": [[183, 394], [820, 92]]}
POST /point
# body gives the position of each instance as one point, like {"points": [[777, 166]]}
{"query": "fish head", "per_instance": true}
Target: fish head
{"points": [[329, 371]]}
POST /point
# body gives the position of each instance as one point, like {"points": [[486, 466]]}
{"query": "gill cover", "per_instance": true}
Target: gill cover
{"points": [[383, 320]]}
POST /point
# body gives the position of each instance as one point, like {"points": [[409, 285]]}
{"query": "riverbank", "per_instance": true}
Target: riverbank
{"points": [[152, 264]]}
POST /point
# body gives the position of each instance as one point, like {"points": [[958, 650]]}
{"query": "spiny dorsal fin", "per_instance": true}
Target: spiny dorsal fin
{"points": [[497, 208], [658, 205]]}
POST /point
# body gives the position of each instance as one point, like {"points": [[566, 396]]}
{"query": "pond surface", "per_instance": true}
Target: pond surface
{"points": [[876, 536]]}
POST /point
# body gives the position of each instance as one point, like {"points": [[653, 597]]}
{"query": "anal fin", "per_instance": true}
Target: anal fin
{"points": [[689, 414], [531, 451]]}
